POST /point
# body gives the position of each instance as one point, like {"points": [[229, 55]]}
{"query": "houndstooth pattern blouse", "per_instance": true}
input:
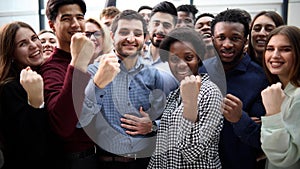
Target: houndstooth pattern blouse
{"points": [[184, 144]]}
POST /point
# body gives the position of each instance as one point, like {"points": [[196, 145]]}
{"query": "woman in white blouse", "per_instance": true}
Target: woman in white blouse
{"points": [[280, 134]]}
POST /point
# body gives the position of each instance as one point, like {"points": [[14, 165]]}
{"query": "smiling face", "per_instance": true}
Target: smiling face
{"points": [[69, 21], [203, 27], [262, 26], [28, 48], [128, 38], [279, 57], [97, 40], [48, 41], [183, 60], [159, 26], [229, 41]]}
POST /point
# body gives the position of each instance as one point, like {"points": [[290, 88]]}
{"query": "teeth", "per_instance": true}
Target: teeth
{"points": [[206, 35], [261, 42], [36, 53], [276, 64]]}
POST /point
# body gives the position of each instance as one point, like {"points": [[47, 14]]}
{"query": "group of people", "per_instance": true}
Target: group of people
{"points": [[153, 88]]}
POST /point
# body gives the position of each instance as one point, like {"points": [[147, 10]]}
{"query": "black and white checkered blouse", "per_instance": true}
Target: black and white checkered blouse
{"points": [[184, 144]]}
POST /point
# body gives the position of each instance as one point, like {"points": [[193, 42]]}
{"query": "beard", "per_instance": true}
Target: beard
{"points": [[155, 43], [123, 53]]}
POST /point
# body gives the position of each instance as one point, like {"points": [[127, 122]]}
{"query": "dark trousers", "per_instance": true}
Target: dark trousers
{"points": [[139, 163], [108, 160], [87, 159], [90, 162]]}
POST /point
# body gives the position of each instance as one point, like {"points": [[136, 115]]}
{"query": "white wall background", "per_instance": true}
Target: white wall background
{"points": [[27, 10], [20, 10], [293, 13]]}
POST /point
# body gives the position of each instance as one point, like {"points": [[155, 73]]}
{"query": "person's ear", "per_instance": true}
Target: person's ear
{"points": [[51, 25], [112, 36]]}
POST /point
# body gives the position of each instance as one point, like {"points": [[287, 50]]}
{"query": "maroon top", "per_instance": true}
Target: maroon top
{"points": [[61, 101]]}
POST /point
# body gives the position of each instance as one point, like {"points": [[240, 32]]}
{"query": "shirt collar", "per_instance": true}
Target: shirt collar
{"points": [[243, 64], [291, 90], [139, 65]]}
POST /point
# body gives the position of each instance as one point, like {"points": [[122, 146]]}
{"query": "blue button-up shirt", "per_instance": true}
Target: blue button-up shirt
{"points": [[142, 86]]}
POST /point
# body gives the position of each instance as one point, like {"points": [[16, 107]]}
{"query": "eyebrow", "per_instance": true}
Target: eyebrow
{"points": [[68, 15], [23, 40]]}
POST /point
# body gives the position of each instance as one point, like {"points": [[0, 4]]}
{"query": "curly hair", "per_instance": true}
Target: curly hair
{"points": [[234, 16]]}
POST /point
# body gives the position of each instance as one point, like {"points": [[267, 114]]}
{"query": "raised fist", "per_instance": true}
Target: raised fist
{"points": [[272, 98], [108, 69], [82, 50], [34, 86]]}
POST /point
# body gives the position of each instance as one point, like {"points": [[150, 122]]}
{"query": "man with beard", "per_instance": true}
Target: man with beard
{"points": [[240, 136], [124, 97], [163, 20]]}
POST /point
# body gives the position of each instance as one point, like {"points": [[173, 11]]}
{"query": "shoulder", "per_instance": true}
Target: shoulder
{"points": [[210, 60], [11, 86], [208, 86], [59, 60]]}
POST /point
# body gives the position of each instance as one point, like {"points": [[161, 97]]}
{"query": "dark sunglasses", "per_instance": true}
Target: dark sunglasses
{"points": [[97, 34]]}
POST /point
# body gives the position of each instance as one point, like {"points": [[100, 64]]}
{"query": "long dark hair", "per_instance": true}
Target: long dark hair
{"points": [[8, 69], [277, 19]]}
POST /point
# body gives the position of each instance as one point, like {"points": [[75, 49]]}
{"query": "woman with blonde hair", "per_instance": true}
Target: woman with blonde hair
{"points": [[49, 41], [100, 35]]}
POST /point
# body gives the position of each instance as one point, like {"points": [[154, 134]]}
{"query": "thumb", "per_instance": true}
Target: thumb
{"points": [[144, 114], [198, 79]]}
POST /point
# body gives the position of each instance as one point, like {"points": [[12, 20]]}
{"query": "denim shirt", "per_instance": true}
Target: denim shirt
{"points": [[142, 86]]}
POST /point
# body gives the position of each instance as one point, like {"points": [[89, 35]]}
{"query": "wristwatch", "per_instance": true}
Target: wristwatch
{"points": [[154, 127]]}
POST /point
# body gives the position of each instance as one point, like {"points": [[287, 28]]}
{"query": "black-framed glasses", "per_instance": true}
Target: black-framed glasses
{"points": [[97, 34]]}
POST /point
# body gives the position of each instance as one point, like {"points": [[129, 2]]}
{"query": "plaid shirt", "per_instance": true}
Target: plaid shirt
{"points": [[184, 144]]}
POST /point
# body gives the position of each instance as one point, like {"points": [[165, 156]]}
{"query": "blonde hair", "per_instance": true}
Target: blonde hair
{"points": [[107, 41]]}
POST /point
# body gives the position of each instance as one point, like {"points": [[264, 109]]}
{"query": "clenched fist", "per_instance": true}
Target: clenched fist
{"points": [[272, 98], [232, 108], [189, 91], [34, 86], [82, 50], [108, 69]]}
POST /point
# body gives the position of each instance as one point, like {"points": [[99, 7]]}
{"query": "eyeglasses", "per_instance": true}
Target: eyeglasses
{"points": [[97, 34]]}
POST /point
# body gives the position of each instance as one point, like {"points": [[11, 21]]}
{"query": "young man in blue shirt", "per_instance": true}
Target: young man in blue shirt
{"points": [[240, 137], [124, 98]]}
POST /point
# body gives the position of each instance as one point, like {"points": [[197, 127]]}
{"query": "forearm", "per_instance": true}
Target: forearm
{"points": [[248, 131], [280, 143]]}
